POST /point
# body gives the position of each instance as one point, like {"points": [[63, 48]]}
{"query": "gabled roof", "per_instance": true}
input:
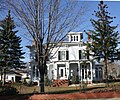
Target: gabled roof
{"points": [[13, 72]]}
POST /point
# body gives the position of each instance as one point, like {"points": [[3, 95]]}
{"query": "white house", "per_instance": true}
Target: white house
{"points": [[15, 75], [12, 76], [69, 60]]}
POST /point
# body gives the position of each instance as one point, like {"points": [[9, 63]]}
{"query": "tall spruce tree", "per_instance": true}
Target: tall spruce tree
{"points": [[104, 37], [10, 49]]}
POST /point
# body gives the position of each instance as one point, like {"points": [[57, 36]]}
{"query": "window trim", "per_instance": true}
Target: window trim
{"points": [[61, 54]]}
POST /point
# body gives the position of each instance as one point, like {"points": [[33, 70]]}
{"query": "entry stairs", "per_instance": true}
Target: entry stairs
{"points": [[60, 83]]}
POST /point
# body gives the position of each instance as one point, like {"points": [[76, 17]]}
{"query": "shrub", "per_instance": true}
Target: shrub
{"points": [[110, 77], [35, 83], [8, 90], [118, 76], [47, 81], [26, 81], [0, 83], [75, 79], [32, 84]]}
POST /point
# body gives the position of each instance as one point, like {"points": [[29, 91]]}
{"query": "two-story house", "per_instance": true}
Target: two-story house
{"points": [[69, 59]]}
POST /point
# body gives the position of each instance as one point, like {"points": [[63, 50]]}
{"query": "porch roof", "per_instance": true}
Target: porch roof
{"points": [[81, 60]]}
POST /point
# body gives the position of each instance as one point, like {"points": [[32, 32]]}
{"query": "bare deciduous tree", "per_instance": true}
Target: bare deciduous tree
{"points": [[48, 21]]}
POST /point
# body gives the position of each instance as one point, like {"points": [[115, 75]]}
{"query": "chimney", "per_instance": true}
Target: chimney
{"points": [[33, 42], [89, 40]]}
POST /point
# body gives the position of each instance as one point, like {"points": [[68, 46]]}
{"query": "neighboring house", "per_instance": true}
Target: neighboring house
{"points": [[24, 74], [12, 76], [114, 69], [33, 70], [69, 60], [15, 75]]}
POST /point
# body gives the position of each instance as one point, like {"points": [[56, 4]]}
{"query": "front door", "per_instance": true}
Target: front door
{"points": [[61, 72]]}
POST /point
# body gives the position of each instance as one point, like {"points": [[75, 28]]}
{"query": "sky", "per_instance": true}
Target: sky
{"points": [[113, 8]]}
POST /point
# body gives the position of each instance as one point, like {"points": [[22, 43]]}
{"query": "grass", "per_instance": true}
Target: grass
{"points": [[59, 90], [51, 90], [25, 92]]}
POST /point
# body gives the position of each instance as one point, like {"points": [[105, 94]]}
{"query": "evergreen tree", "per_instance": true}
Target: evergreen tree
{"points": [[104, 37], [10, 49]]}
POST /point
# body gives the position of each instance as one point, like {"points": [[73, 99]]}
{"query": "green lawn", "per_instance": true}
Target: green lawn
{"points": [[59, 90], [51, 90], [35, 89], [25, 92]]}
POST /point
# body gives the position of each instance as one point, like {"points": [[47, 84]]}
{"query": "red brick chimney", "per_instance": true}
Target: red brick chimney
{"points": [[89, 40]]}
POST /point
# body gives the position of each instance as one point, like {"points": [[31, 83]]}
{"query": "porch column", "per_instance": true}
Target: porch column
{"points": [[55, 71], [31, 73], [91, 71], [79, 72], [67, 69], [35, 77]]}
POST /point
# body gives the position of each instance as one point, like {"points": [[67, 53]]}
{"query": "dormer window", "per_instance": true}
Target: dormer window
{"points": [[75, 36]]}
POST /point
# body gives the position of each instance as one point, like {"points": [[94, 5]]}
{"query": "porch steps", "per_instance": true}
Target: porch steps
{"points": [[60, 83]]}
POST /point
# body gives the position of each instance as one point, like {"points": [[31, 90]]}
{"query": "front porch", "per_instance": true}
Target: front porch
{"points": [[68, 70]]}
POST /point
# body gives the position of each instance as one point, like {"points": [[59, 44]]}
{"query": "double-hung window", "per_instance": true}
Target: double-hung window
{"points": [[80, 54], [63, 55]]}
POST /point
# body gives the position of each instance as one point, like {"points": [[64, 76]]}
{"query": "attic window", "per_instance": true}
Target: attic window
{"points": [[71, 38], [76, 38], [81, 36]]}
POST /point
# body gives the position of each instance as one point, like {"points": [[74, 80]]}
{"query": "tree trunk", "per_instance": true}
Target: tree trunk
{"points": [[1, 75], [42, 73], [42, 91], [41, 70], [3, 78], [106, 73]]}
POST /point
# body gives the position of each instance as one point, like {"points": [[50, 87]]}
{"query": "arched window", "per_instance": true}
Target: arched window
{"points": [[96, 73], [83, 72], [33, 71], [89, 71], [100, 73], [37, 73]]}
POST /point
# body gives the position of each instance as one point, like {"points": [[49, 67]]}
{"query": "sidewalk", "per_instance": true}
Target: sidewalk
{"points": [[78, 96], [104, 99]]}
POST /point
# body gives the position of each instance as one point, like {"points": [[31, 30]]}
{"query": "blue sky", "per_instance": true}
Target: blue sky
{"points": [[113, 8]]}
